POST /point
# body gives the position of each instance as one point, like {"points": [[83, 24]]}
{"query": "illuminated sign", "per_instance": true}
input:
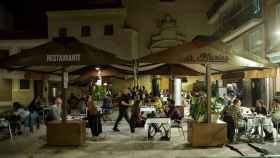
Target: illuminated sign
{"points": [[60, 58], [205, 58]]}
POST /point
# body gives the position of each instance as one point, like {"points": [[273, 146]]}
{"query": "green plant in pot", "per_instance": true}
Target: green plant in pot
{"points": [[98, 94], [198, 109], [216, 108]]}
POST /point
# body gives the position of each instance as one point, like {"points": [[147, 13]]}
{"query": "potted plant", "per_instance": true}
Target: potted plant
{"points": [[216, 108], [200, 133], [198, 109], [98, 93]]}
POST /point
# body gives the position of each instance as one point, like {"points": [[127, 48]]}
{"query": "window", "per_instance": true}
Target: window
{"points": [[24, 84], [277, 16], [62, 32], [255, 42], [85, 31], [109, 30]]}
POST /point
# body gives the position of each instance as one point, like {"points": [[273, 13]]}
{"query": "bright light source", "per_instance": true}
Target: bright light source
{"points": [[98, 82], [277, 33], [97, 68], [105, 84]]}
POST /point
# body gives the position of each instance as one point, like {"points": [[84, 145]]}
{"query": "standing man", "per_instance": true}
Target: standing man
{"points": [[123, 109]]}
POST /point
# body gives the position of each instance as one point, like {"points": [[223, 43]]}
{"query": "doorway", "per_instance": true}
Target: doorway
{"points": [[38, 88]]}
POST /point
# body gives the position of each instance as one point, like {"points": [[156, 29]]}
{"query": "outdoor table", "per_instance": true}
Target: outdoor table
{"points": [[75, 117], [6, 124], [256, 121], [147, 110], [159, 121]]}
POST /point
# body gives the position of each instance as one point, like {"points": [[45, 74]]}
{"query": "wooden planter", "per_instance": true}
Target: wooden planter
{"points": [[207, 135], [69, 133]]}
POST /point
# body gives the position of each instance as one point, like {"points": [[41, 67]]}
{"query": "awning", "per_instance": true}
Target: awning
{"points": [[61, 52], [201, 50], [171, 69]]}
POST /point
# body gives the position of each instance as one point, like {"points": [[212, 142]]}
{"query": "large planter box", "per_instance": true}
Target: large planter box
{"points": [[69, 133], [207, 135]]}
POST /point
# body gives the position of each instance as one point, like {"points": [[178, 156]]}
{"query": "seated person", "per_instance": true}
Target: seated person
{"points": [[260, 107], [55, 112], [261, 110], [231, 115], [172, 112], [24, 117]]}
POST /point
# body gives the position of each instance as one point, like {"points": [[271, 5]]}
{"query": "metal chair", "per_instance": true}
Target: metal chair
{"points": [[179, 125], [8, 126]]}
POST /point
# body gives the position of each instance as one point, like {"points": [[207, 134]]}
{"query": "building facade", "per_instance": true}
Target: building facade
{"points": [[130, 30]]}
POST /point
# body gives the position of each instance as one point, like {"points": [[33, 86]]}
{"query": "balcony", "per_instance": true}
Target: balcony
{"points": [[215, 7], [240, 19]]}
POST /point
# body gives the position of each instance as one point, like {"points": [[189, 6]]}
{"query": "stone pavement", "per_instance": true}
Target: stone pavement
{"points": [[111, 145], [269, 149]]}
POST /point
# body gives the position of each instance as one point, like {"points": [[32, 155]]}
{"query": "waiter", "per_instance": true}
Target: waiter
{"points": [[123, 109]]}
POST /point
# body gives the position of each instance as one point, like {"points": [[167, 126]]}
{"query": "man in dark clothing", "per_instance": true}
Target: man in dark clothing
{"points": [[123, 109]]}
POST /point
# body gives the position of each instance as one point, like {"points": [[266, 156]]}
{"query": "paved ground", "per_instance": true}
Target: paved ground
{"points": [[120, 145]]}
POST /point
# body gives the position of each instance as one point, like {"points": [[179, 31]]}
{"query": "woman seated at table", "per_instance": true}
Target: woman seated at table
{"points": [[94, 120], [260, 107]]}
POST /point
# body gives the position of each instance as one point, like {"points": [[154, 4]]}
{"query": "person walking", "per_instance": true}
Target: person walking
{"points": [[123, 110]]}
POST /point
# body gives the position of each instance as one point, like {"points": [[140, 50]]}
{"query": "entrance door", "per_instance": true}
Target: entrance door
{"points": [[257, 90], [38, 88]]}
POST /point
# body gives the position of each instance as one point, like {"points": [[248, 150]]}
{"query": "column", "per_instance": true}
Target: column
{"points": [[177, 84], [155, 86]]}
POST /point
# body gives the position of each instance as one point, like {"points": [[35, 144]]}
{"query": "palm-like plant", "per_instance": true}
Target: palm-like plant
{"points": [[198, 108]]}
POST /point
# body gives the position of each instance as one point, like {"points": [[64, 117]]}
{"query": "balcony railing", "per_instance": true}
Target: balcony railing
{"points": [[215, 7], [239, 16]]}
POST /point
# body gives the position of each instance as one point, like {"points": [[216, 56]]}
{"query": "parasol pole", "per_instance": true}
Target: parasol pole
{"points": [[135, 71], [209, 95], [64, 85]]}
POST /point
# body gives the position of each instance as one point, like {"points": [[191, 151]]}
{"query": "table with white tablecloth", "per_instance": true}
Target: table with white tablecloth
{"points": [[147, 110], [160, 121], [256, 122]]}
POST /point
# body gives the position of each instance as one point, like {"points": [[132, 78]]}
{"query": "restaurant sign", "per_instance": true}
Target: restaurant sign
{"points": [[205, 58], [60, 58]]}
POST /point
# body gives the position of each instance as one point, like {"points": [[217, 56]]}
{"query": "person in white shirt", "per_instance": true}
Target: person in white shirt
{"points": [[55, 112]]}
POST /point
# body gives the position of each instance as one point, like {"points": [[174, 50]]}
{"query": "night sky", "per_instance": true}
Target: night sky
{"points": [[30, 15]]}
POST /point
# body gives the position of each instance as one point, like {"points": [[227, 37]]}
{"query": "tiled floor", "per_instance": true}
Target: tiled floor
{"points": [[111, 144]]}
